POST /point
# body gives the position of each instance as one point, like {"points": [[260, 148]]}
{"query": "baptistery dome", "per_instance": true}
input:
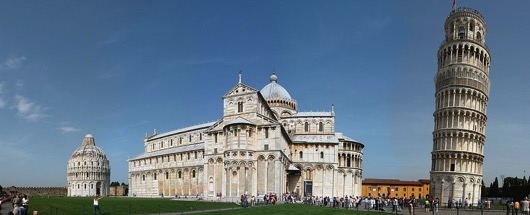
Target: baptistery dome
{"points": [[88, 170]]}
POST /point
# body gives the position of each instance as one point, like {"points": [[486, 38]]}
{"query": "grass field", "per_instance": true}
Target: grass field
{"points": [[117, 206], [121, 206]]}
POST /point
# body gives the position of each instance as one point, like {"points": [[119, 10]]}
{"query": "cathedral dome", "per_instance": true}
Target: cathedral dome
{"points": [[274, 91]]}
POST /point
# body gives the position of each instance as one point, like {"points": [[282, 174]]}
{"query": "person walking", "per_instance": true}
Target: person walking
{"points": [[525, 206], [96, 204]]}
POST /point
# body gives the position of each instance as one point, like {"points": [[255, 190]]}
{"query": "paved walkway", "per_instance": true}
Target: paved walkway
{"points": [[6, 207], [419, 211]]}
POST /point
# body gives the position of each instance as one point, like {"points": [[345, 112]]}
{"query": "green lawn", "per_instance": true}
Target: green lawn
{"points": [[117, 206]]}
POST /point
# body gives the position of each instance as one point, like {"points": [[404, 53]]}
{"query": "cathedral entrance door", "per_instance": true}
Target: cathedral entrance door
{"points": [[308, 188]]}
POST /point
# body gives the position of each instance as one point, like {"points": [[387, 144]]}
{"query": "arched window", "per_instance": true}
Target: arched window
{"points": [[193, 174], [301, 154], [240, 107], [154, 176], [461, 32], [167, 175], [321, 154], [143, 176], [78, 186], [320, 126], [306, 127], [180, 174]]}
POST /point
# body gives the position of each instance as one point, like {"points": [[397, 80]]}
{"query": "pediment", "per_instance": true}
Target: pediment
{"points": [[240, 89]]}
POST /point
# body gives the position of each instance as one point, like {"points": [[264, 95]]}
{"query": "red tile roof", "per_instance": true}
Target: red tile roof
{"points": [[394, 182]]}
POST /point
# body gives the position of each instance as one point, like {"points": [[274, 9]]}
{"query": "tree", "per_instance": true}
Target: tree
{"points": [[484, 189], [494, 188]]}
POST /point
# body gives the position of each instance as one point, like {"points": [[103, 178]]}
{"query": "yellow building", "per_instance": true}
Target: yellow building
{"points": [[395, 188]]}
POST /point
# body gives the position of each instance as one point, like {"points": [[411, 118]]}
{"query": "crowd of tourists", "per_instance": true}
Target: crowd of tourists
{"points": [[20, 205]]}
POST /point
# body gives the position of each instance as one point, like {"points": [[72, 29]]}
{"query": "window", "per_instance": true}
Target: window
{"points": [[306, 127], [320, 126], [405, 189], [413, 189], [215, 138], [85, 186], [240, 107], [171, 142], [195, 155], [453, 167], [461, 32], [154, 176], [266, 132], [92, 186], [200, 136], [190, 138], [235, 132], [180, 174], [321, 154], [188, 155], [193, 174], [143, 176], [301, 154], [78, 186], [215, 150], [167, 175], [266, 147], [250, 132]]}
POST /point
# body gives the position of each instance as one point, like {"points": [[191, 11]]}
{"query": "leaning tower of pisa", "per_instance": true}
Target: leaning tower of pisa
{"points": [[462, 90]]}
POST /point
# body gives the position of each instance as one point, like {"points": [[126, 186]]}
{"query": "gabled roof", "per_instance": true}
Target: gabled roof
{"points": [[308, 114], [244, 89], [240, 120], [376, 181], [191, 128], [193, 147]]}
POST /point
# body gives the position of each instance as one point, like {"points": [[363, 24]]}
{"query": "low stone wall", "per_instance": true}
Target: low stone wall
{"points": [[38, 191]]}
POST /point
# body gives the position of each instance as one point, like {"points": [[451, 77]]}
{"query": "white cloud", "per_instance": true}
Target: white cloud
{"points": [[12, 63], [27, 109], [68, 129]]}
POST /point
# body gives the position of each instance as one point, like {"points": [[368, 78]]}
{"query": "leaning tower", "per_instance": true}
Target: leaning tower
{"points": [[462, 90]]}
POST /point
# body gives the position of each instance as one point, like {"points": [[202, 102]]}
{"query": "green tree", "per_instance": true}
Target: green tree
{"points": [[494, 188], [484, 189]]}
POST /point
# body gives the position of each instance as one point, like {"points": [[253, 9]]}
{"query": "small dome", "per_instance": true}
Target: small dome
{"points": [[89, 149], [274, 90]]}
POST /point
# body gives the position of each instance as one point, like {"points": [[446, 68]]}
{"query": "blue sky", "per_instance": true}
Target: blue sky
{"points": [[119, 69]]}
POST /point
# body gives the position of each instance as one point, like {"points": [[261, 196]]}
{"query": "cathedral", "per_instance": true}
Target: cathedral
{"points": [[261, 145]]}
